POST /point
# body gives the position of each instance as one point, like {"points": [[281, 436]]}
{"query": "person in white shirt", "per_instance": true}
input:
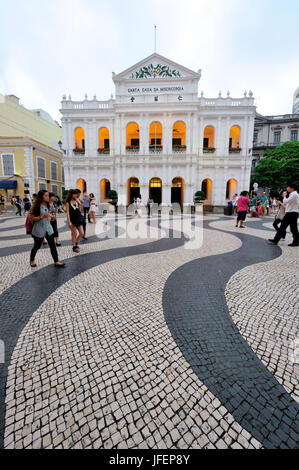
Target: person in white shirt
{"points": [[291, 204]]}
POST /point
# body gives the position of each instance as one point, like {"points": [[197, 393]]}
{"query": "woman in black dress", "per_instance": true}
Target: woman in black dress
{"points": [[74, 218]]}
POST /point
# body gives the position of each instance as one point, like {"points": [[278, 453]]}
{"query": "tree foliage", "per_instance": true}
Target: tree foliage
{"points": [[113, 196], [278, 166], [199, 197]]}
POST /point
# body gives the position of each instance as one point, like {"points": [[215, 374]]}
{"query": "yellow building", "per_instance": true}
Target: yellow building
{"points": [[30, 159], [27, 166], [17, 121]]}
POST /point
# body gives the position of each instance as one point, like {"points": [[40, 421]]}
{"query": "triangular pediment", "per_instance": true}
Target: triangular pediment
{"points": [[156, 67]]}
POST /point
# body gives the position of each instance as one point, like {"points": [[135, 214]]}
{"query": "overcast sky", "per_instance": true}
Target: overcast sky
{"points": [[52, 47]]}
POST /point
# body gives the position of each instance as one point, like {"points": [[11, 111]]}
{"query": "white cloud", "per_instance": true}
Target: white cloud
{"points": [[74, 45]]}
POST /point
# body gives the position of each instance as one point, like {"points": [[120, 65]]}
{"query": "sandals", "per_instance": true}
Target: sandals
{"points": [[62, 265], [58, 244], [33, 265], [76, 249]]}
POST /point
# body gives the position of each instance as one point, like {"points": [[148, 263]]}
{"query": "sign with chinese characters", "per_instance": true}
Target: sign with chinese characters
{"points": [[165, 89]]}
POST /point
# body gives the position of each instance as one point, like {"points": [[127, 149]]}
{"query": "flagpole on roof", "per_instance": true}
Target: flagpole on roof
{"points": [[155, 38]]}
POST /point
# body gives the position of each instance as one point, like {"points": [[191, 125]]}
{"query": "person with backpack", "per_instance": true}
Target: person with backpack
{"points": [[41, 218]]}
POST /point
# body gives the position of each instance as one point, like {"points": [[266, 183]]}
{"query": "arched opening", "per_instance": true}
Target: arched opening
{"points": [[177, 191], [104, 140], [209, 138], [79, 139], [206, 187], [155, 190], [234, 138], [133, 190], [133, 136], [179, 136], [81, 184], [105, 188], [231, 188], [155, 136]]}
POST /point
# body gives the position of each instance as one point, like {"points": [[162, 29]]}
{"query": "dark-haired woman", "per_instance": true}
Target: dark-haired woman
{"points": [[74, 218], [54, 211], [42, 228]]}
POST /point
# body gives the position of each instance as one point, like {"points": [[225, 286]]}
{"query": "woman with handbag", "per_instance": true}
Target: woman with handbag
{"points": [[40, 217], [74, 218]]}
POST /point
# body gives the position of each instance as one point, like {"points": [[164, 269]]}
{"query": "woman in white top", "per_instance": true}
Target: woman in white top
{"points": [[93, 207]]}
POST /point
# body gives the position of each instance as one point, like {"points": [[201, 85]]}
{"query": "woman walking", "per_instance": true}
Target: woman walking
{"points": [[18, 205], [243, 202], [74, 218], [54, 211], [27, 204], [2, 205], [93, 207], [281, 213], [42, 228]]}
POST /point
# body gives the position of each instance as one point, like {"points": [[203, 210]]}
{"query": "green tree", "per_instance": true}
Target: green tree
{"points": [[199, 197], [113, 196], [278, 166]]}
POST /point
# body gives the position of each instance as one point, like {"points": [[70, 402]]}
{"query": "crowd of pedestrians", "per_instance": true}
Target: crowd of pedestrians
{"points": [[286, 207], [43, 208]]}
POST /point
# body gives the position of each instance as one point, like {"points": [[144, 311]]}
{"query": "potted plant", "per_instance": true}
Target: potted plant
{"points": [[113, 198], [199, 197], [103, 150], [76, 150]]}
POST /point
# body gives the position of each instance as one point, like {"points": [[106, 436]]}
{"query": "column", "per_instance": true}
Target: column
{"points": [[201, 135], [195, 136]]}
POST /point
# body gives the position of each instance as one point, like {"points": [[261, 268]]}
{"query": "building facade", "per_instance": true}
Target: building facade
{"points": [[296, 102], [28, 166], [159, 139], [271, 131], [30, 158]]}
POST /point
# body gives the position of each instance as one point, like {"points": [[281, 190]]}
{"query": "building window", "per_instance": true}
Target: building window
{"points": [[294, 135], [41, 167], [55, 189], [62, 174], [209, 137], [54, 175], [8, 165], [255, 136], [42, 187], [79, 139], [277, 137]]}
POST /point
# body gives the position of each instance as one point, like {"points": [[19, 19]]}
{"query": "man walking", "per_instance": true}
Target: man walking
{"points": [[86, 204], [291, 216]]}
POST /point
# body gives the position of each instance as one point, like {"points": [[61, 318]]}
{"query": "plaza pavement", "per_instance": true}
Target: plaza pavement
{"points": [[145, 344]]}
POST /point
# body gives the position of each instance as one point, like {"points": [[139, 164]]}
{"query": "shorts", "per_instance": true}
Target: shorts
{"points": [[242, 216]]}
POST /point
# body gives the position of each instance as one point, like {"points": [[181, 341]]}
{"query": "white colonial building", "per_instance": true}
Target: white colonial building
{"points": [[158, 138]]}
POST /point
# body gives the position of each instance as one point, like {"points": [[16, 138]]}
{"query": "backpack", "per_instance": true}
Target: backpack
{"points": [[29, 226]]}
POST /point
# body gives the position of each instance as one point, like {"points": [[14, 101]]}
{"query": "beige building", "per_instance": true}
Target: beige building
{"points": [[271, 131], [30, 158]]}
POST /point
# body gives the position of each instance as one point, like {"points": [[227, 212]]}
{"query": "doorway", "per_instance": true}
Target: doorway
{"points": [[155, 190]]}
